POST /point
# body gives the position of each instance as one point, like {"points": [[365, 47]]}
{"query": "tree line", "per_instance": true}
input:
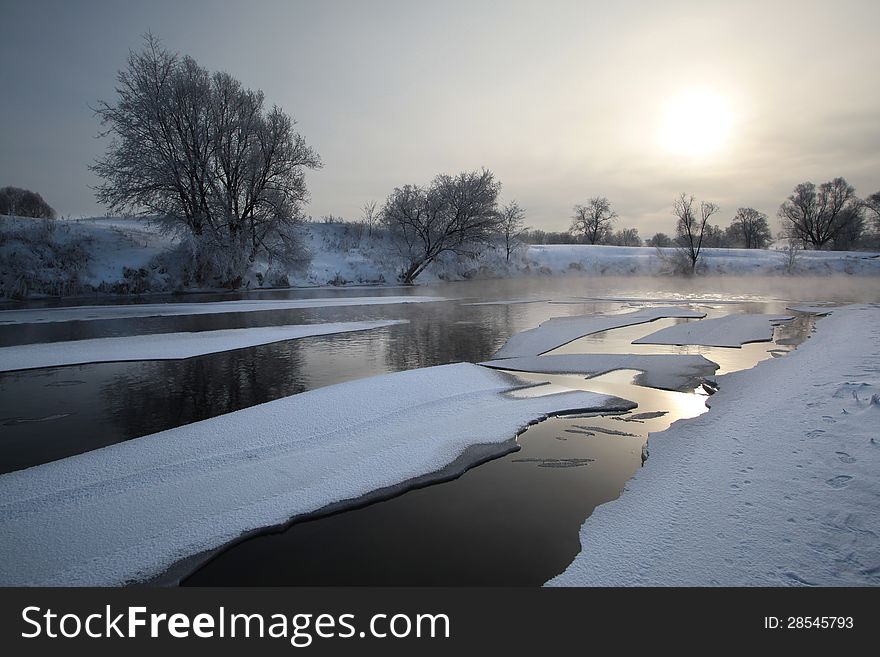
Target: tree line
{"points": [[204, 155], [823, 216]]}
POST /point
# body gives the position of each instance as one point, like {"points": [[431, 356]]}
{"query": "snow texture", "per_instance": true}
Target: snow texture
{"points": [[728, 331], [89, 313], [166, 346], [558, 331], [666, 371], [129, 511], [775, 486]]}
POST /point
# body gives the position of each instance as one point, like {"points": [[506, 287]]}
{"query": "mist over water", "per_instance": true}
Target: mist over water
{"points": [[836, 288]]}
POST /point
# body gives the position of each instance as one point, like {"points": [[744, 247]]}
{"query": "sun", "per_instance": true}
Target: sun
{"points": [[696, 123]]}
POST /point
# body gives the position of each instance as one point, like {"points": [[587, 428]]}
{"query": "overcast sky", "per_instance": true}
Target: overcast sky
{"points": [[562, 100]]}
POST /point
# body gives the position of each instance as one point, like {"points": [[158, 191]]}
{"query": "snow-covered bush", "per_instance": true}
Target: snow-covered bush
{"points": [[41, 257]]}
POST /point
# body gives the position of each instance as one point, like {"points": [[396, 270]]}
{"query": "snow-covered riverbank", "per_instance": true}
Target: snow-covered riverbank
{"points": [[128, 256], [776, 485]]}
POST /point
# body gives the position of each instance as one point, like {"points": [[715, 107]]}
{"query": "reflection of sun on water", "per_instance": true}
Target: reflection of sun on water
{"points": [[619, 383], [694, 123]]}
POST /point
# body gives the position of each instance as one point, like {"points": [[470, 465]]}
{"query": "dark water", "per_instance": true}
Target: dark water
{"points": [[52, 413], [511, 521]]}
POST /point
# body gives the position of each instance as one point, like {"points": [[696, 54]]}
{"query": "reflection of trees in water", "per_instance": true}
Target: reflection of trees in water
{"points": [[159, 395], [795, 331], [450, 336]]}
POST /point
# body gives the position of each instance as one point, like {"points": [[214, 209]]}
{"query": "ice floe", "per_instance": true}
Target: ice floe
{"points": [[129, 511], [812, 309], [505, 302], [667, 371], [166, 346], [558, 331], [124, 311], [728, 331]]}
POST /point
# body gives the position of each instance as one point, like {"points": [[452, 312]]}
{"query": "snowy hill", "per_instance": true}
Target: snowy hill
{"points": [[70, 257]]}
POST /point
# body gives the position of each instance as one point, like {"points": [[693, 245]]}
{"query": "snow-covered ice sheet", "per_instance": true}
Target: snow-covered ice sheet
{"points": [[129, 511], [776, 485], [666, 371], [86, 313], [505, 302], [727, 331], [812, 309], [558, 331], [166, 346]]}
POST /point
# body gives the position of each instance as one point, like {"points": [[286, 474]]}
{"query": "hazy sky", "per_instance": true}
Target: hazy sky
{"points": [[735, 102]]}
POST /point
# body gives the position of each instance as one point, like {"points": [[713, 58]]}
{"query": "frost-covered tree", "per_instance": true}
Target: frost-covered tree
{"points": [[370, 215], [593, 221], [453, 214], [749, 229], [690, 228], [513, 227], [24, 203], [791, 251], [205, 155], [817, 215]]}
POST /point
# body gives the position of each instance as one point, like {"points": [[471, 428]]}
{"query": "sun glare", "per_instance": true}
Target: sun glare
{"points": [[696, 123]]}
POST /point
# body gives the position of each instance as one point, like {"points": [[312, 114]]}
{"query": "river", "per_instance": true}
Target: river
{"points": [[510, 521]]}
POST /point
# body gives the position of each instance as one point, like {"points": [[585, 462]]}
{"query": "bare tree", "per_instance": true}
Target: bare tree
{"points": [[659, 240], [714, 237], [791, 251], [454, 214], [200, 152], [593, 221], [872, 204], [691, 228], [513, 226], [817, 215], [852, 227], [749, 228], [24, 203], [535, 236], [626, 237], [370, 214]]}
